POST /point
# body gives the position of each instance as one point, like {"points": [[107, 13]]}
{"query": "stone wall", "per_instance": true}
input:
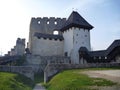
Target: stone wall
{"points": [[18, 49], [40, 62], [68, 41], [46, 47], [44, 25], [52, 69], [24, 70]]}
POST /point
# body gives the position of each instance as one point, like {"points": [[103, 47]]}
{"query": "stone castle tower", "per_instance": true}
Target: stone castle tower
{"points": [[44, 26], [76, 33], [73, 34]]}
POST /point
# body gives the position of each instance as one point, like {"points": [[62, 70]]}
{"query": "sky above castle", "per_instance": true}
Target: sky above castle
{"points": [[15, 17]]}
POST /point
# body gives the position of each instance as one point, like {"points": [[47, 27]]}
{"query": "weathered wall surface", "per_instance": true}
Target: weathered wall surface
{"points": [[46, 47], [40, 62], [68, 41], [20, 46], [24, 70], [18, 49], [44, 25], [81, 39], [52, 69], [74, 38]]}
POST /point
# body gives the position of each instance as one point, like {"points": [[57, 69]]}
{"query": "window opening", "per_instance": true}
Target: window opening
{"points": [[55, 32]]}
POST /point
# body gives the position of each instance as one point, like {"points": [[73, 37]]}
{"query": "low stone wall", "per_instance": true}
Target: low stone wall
{"points": [[40, 62], [52, 69], [24, 70]]}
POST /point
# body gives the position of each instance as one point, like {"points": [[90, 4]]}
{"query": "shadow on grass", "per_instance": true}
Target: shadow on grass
{"points": [[39, 77]]}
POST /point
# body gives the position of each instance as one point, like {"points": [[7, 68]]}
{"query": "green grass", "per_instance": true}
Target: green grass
{"points": [[11, 81], [74, 80]]}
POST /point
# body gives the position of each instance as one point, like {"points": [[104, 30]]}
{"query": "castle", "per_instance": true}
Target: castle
{"points": [[65, 40], [18, 49]]}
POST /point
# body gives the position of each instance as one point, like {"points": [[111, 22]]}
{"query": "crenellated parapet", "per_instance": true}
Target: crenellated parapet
{"points": [[20, 41], [46, 25]]}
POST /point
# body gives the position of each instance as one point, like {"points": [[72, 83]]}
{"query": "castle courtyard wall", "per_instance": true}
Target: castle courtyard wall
{"points": [[46, 47]]}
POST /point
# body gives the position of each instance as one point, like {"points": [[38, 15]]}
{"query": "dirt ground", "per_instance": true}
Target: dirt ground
{"points": [[113, 75]]}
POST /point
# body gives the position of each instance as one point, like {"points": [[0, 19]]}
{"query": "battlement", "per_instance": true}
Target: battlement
{"points": [[47, 21], [46, 25], [20, 41], [18, 49]]}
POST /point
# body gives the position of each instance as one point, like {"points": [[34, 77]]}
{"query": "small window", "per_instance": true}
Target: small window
{"points": [[76, 42], [55, 32], [55, 23], [99, 57], [66, 54], [38, 22], [85, 35], [48, 22], [38, 37], [105, 57], [45, 38], [76, 34]]}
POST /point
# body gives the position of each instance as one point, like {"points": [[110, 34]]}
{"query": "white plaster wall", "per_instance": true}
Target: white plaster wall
{"points": [[46, 47], [68, 41], [74, 38], [81, 39]]}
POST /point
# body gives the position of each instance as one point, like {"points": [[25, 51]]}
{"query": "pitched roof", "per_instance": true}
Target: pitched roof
{"points": [[50, 36], [97, 53], [76, 20], [115, 44]]}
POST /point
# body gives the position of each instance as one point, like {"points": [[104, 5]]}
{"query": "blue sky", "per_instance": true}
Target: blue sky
{"points": [[15, 17]]}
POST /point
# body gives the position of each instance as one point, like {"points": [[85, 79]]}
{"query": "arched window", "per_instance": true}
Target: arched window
{"points": [[48, 22], [55, 32], [38, 22], [55, 22]]}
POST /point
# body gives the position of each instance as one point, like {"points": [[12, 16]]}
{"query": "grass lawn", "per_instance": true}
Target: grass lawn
{"points": [[11, 81], [74, 80]]}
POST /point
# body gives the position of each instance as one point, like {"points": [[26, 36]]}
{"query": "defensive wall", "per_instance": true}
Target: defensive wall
{"points": [[47, 45], [44, 25], [40, 62], [18, 49], [24, 70], [52, 69]]}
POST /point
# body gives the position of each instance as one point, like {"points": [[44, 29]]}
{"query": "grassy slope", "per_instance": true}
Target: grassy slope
{"points": [[74, 80], [11, 81]]}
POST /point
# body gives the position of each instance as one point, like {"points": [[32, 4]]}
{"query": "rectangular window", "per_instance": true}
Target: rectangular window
{"points": [[105, 57], [66, 54]]}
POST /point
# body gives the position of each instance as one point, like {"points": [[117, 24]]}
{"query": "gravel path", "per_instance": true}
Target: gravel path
{"points": [[113, 75], [39, 87]]}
